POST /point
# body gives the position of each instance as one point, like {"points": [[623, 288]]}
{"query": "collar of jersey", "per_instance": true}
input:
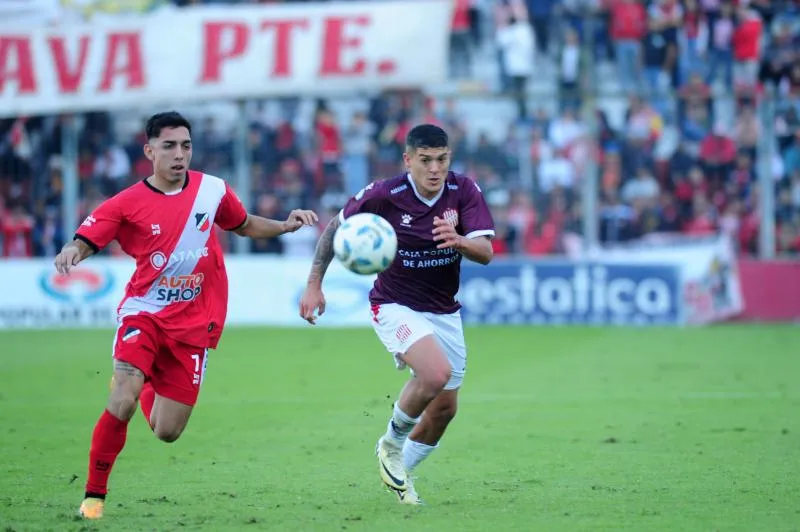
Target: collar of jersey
{"points": [[429, 202], [154, 189]]}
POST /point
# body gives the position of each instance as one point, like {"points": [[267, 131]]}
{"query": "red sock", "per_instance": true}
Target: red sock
{"points": [[108, 439], [146, 398]]}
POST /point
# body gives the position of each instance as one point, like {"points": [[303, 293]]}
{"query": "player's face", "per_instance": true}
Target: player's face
{"points": [[171, 153], [428, 168]]}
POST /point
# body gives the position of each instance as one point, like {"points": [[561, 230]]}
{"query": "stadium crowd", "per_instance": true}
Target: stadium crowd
{"points": [[701, 96]]}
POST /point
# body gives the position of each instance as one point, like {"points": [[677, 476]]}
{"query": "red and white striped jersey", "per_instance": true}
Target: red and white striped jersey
{"points": [[180, 278]]}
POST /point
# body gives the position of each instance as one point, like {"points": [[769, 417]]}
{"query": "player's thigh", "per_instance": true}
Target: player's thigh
{"points": [[449, 330], [178, 372], [410, 337], [177, 376], [135, 347]]}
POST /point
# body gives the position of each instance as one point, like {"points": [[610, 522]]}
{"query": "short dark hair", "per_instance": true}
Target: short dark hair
{"points": [[171, 119], [426, 136]]}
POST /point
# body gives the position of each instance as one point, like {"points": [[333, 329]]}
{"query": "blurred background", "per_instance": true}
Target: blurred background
{"points": [[587, 123]]}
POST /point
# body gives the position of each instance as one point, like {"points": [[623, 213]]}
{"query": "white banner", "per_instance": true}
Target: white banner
{"points": [[709, 274], [262, 291], [266, 290], [212, 52]]}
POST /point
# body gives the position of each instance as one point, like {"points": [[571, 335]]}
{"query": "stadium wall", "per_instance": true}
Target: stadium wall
{"points": [[771, 290]]}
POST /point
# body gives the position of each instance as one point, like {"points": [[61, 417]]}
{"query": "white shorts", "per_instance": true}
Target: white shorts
{"points": [[399, 327]]}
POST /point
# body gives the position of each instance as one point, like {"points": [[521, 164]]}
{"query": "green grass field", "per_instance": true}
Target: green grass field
{"points": [[559, 429]]}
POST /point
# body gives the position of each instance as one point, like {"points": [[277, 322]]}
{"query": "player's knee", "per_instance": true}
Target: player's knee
{"points": [[122, 403], [436, 379], [167, 434]]}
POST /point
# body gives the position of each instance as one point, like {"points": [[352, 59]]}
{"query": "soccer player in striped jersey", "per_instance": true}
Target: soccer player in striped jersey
{"points": [[175, 304]]}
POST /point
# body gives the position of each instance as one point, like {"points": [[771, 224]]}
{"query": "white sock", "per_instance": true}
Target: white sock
{"points": [[400, 426], [415, 452]]}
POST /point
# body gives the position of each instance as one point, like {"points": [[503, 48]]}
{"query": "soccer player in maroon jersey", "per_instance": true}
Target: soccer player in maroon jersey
{"points": [[439, 217], [176, 301]]}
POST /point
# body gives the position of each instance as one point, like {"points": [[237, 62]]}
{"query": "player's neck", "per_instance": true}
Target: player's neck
{"points": [[165, 186]]}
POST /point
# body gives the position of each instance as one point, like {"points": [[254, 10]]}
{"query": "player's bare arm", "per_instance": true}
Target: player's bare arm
{"points": [[475, 249], [258, 227], [313, 298], [71, 254]]}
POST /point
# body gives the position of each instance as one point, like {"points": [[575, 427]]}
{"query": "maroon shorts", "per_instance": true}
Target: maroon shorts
{"points": [[175, 369]]}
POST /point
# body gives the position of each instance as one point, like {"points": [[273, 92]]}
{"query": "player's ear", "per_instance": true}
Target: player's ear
{"points": [[407, 159], [148, 151]]}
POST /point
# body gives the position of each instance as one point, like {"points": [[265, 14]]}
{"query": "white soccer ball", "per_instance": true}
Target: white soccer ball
{"points": [[365, 243]]}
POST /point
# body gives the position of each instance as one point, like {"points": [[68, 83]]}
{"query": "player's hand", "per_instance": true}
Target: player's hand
{"points": [[69, 257], [312, 300], [298, 218], [445, 233]]}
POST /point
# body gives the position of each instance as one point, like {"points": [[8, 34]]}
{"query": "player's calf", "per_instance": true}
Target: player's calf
{"points": [[438, 415]]}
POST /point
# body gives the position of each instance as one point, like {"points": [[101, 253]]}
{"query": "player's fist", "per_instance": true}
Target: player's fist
{"points": [[312, 300], [69, 257], [298, 218], [445, 233]]}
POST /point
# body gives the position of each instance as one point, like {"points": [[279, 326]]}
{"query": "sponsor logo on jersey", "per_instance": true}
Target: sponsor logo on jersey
{"points": [[158, 259], [179, 288], [202, 221], [405, 219], [82, 285], [399, 189]]}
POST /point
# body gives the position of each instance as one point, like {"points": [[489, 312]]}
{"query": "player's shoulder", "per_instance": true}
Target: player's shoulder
{"points": [[462, 183], [131, 195], [382, 188], [203, 179]]}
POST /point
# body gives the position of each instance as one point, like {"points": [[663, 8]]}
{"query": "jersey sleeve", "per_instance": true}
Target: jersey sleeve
{"points": [[476, 219], [231, 214], [368, 199], [102, 225]]}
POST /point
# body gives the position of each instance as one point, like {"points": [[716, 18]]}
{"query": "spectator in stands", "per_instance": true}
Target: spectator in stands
{"points": [[642, 191], [693, 40], [268, 206], [746, 47], [570, 69], [112, 168], [628, 28], [516, 41], [460, 45], [16, 228], [721, 44], [357, 150]]}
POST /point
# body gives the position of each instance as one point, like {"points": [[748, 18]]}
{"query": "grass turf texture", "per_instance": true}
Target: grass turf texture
{"points": [[559, 429]]}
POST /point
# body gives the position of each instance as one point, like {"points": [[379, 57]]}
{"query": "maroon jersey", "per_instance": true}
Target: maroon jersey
{"points": [[180, 278], [422, 277]]}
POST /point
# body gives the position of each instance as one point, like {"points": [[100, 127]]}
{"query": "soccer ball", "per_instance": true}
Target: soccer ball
{"points": [[365, 243]]}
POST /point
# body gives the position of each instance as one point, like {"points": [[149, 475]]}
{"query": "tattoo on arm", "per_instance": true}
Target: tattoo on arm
{"points": [[127, 369], [324, 252]]}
